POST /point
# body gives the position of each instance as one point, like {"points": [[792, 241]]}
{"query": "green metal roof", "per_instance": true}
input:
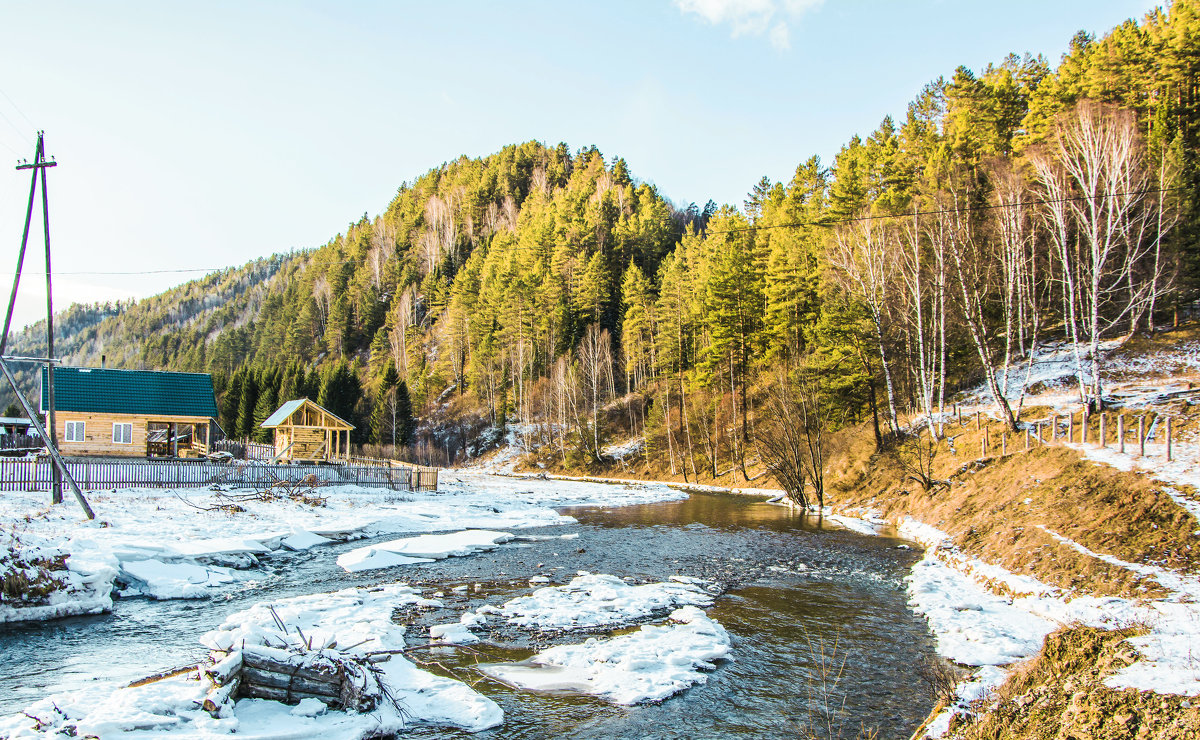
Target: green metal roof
{"points": [[282, 413], [144, 392]]}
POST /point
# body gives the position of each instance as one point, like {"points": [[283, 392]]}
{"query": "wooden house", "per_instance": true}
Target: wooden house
{"points": [[132, 413], [305, 432]]}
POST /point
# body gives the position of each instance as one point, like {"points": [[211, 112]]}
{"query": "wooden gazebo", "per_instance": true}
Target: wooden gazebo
{"points": [[305, 432]]}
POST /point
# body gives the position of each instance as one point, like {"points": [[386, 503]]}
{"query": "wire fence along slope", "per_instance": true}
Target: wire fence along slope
{"points": [[36, 475]]}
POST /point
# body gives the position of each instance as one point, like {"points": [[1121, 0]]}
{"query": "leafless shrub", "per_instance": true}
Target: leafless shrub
{"points": [[941, 677], [915, 453], [793, 435]]}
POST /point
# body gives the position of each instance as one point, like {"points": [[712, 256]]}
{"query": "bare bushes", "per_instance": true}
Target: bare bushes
{"points": [[29, 575], [302, 490], [916, 454], [792, 434]]}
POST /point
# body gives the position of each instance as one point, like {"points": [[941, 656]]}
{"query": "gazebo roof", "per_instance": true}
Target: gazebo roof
{"points": [[289, 409]]}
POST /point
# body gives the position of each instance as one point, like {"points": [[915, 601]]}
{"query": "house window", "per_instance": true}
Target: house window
{"points": [[123, 434], [74, 431]]}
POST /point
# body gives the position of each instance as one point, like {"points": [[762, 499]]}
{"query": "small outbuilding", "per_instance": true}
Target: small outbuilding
{"points": [[306, 432], [132, 413]]}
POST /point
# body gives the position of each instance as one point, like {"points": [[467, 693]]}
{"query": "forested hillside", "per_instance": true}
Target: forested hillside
{"points": [[1003, 207]]}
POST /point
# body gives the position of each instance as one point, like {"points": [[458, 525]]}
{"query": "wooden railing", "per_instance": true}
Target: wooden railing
{"points": [[245, 450], [20, 442], [35, 475]]}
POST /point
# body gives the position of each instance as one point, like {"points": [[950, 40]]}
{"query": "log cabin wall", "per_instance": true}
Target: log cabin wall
{"points": [[98, 432]]}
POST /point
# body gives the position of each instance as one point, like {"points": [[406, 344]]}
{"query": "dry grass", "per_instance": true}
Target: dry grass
{"points": [[1060, 693], [995, 509], [28, 580]]}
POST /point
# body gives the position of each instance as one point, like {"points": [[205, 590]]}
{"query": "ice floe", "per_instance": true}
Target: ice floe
{"points": [[593, 600], [648, 665], [422, 549]]}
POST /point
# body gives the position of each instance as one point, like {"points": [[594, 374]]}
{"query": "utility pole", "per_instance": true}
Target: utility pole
{"points": [[39, 165]]}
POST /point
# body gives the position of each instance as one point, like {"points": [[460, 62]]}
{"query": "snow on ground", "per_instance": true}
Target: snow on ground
{"points": [[84, 588], [622, 450], [649, 665], [507, 456], [986, 680], [358, 620], [1053, 367], [592, 600], [173, 544], [1132, 380], [973, 626], [421, 549], [1184, 469]]}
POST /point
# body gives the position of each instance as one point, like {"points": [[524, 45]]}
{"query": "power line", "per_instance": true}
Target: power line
{"points": [[9, 148], [180, 270], [969, 209], [17, 108], [16, 128]]}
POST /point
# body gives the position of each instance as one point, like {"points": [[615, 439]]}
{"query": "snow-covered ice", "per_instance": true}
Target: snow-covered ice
{"points": [[422, 549], [160, 580], [648, 665], [592, 600]]}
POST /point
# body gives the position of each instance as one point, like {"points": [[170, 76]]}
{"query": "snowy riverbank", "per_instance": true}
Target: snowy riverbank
{"points": [[189, 544]]}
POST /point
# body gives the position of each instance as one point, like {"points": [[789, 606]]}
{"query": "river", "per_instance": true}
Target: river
{"points": [[818, 617]]}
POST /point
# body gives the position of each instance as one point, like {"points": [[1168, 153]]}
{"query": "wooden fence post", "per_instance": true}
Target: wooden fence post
{"points": [[1142, 435], [1103, 429], [1121, 433], [1083, 427], [1070, 427], [1053, 427], [958, 413], [977, 421], [1026, 439]]}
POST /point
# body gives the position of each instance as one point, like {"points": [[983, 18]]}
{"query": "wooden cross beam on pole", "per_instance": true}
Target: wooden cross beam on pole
{"points": [[60, 473]]}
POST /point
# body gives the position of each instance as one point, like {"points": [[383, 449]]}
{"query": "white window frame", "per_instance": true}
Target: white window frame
{"points": [[118, 428], [74, 426]]}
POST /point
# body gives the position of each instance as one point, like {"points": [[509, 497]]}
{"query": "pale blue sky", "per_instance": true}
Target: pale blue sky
{"points": [[195, 135]]}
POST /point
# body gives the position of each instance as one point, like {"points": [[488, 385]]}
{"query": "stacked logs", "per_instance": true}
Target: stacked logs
{"points": [[338, 680]]}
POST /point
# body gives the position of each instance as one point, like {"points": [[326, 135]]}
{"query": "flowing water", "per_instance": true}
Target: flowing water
{"points": [[818, 618]]}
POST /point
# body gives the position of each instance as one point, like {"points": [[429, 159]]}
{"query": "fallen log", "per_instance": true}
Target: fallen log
{"points": [[217, 700], [257, 677], [257, 691], [227, 668], [311, 666], [163, 675]]}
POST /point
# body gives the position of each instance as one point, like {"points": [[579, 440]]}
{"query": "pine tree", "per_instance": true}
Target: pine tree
{"points": [[384, 407], [405, 424], [246, 404]]}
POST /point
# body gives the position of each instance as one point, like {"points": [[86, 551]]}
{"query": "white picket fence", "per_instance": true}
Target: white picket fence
{"points": [[36, 475]]}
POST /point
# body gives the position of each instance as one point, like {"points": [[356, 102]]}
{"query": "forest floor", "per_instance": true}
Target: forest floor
{"points": [[1090, 550]]}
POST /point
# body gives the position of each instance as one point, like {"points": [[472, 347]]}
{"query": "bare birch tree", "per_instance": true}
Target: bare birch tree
{"points": [[864, 260], [595, 369], [1106, 231]]}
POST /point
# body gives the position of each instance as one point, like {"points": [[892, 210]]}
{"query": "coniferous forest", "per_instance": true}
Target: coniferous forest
{"points": [[1007, 207]]}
